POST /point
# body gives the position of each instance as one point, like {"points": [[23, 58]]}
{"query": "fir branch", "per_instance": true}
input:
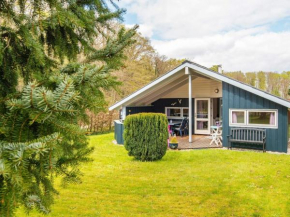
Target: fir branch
{"points": [[21, 129], [39, 128]]}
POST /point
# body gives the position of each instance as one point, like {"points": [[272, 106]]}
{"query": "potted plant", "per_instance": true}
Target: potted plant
{"points": [[173, 143]]}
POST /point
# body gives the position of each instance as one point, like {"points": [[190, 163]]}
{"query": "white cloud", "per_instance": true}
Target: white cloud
{"points": [[191, 18], [234, 50], [144, 29], [233, 33]]}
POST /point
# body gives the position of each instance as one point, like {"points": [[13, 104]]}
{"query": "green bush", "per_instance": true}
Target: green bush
{"points": [[145, 136]]}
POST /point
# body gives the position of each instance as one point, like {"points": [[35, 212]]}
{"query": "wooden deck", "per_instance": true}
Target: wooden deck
{"points": [[198, 142]]}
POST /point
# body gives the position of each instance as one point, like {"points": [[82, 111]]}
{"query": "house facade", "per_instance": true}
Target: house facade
{"points": [[206, 97]]}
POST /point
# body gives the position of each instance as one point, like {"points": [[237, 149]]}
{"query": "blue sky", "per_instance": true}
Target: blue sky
{"points": [[279, 25], [248, 35], [131, 18]]}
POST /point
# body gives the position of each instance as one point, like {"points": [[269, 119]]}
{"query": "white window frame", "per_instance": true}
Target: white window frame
{"points": [[247, 124], [275, 126], [238, 124], [174, 117]]}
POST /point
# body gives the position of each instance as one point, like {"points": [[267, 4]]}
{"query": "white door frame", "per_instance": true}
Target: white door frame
{"points": [[196, 131]]}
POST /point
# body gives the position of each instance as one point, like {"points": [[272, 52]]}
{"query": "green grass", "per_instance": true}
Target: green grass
{"points": [[184, 183]]}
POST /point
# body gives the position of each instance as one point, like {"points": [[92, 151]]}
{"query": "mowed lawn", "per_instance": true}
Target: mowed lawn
{"points": [[211, 182]]}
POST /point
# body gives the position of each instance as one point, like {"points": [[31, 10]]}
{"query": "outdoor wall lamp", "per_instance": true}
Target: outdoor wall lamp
{"points": [[216, 90]]}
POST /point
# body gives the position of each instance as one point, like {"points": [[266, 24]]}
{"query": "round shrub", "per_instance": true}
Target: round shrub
{"points": [[145, 136]]}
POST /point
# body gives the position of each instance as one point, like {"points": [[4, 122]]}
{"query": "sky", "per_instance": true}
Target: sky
{"points": [[247, 35]]}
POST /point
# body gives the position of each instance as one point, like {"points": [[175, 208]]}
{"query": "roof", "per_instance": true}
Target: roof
{"points": [[202, 70]]}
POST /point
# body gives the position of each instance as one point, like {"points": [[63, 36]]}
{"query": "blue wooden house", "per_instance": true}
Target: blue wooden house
{"points": [[206, 97]]}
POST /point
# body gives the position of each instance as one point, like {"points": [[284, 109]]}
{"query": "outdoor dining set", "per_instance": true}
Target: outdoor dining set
{"points": [[180, 128]]}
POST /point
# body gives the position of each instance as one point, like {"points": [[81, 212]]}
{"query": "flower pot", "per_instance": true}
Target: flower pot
{"points": [[173, 145]]}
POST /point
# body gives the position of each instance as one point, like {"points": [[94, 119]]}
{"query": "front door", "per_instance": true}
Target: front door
{"points": [[202, 116]]}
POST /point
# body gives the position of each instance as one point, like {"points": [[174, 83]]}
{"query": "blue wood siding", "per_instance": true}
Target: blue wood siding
{"points": [[160, 104], [236, 98], [136, 110]]}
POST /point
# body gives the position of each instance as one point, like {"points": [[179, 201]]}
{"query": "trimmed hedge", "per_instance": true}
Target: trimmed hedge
{"points": [[145, 136]]}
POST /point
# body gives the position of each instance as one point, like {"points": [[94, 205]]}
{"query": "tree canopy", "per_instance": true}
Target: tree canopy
{"points": [[56, 58], [275, 83]]}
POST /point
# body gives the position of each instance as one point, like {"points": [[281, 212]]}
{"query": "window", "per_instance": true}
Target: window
{"points": [[237, 117], [202, 107], [173, 112], [176, 112], [185, 112], [262, 118], [253, 118]]}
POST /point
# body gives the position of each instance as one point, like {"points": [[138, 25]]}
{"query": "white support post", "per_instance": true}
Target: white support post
{"points": [[123, 113], [189, 104]]}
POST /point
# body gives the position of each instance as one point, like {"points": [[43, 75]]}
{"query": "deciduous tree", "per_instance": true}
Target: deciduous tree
{"points": [[285, 84], [251, 78], [273, 83], [261, 77]]}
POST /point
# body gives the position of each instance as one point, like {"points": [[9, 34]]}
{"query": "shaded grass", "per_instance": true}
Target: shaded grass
{"points": [[184, 183]]}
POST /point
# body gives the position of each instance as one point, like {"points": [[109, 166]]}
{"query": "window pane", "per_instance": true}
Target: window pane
{"points": [[202, 109], [173, 112], [238, 117], [202, 125], [267, 118], [185, 112]]}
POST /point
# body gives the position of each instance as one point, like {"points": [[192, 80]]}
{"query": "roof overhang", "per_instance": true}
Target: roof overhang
{"points": [[174, 74], [151, 87]]}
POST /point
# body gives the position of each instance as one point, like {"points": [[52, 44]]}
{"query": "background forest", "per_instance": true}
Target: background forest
{"points": [[144, 64]]}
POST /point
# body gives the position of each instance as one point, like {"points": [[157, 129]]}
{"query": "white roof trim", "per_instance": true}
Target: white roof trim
{"points": [[143, 89], [238, 84], [204, 71]]}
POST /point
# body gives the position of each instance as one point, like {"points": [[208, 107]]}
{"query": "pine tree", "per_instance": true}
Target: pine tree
{"points": [[56, 58]]}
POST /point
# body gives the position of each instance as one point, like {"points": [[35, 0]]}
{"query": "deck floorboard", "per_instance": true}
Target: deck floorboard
{"points": [[198, 142]]}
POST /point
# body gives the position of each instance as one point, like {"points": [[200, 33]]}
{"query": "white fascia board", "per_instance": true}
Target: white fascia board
{"points": [[150, 85], [237, 84], [207, 73]]}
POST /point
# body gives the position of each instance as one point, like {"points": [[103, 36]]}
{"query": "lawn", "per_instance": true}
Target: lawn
{"points": [[184, 183]]}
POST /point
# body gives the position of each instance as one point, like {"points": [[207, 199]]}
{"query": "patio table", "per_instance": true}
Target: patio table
{"points": [[174, 123]]}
